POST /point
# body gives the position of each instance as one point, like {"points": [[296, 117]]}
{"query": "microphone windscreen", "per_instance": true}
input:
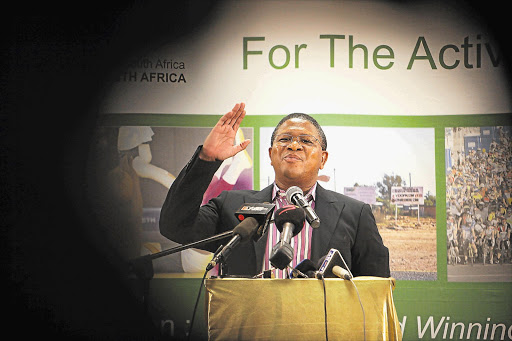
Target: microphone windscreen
{"points": [[306, 267], [246, 228], [338, 271], [290, 192], [282, 255], [290, 214], [320, 262]]}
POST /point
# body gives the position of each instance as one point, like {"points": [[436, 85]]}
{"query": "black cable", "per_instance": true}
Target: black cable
{"points": [[325, 309], [199, 294], [195, 307]]}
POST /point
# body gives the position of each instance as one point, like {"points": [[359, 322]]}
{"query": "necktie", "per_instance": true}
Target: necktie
{"points": [[301, 243]]}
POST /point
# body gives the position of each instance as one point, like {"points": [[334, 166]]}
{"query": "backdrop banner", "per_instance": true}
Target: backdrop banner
{"points": [[415, 102]]}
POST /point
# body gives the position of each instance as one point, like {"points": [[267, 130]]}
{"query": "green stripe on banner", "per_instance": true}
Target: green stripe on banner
{"points": [[183, 120]]}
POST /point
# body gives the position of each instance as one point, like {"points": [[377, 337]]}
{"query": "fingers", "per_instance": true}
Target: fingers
{"points": [[238, 113], [234, 117], [239, 120], [242, 146]]}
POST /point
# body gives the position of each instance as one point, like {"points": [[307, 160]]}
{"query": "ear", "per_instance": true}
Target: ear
{"points": [[270, 154], [325, 155]]}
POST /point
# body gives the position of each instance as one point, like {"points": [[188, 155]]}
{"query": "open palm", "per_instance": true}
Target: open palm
{"points": [[218, 145]]}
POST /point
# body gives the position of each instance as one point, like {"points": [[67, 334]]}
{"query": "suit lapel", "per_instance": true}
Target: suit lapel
{"points": [[265, 195], [328, 209]]}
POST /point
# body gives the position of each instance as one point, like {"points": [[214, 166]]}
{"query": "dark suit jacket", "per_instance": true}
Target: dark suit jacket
{"points": [[346, 224]]}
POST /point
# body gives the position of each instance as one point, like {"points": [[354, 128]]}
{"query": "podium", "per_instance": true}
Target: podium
{"points": [[293, 309]]}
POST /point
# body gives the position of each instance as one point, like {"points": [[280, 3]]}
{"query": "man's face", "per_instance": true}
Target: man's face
{"points": [[295, 164]]}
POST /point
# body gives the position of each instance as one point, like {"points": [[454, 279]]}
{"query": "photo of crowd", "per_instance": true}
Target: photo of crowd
{"points": [[479, 204]]}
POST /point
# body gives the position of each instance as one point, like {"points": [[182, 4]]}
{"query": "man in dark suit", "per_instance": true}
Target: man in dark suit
{"points": [[297, 153]]}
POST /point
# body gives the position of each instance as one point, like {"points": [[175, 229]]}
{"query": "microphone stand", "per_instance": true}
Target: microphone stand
{"points": [[142, 266]]}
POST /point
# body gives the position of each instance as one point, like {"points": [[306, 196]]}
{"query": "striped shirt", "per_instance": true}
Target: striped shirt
{"points": [[301, 243]]}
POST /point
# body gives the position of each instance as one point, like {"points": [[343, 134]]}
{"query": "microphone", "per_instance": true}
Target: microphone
{"points": [[241, 233], [260, 211], [294, 195], [340, 272], [289, 221], [331, 266], [306, 269]]}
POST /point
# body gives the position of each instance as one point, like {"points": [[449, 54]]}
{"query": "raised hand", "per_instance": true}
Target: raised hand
{"points": [[218, 145]]}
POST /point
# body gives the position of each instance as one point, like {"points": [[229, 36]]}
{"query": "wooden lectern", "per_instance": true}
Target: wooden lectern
{"points": [[293, 309]]}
